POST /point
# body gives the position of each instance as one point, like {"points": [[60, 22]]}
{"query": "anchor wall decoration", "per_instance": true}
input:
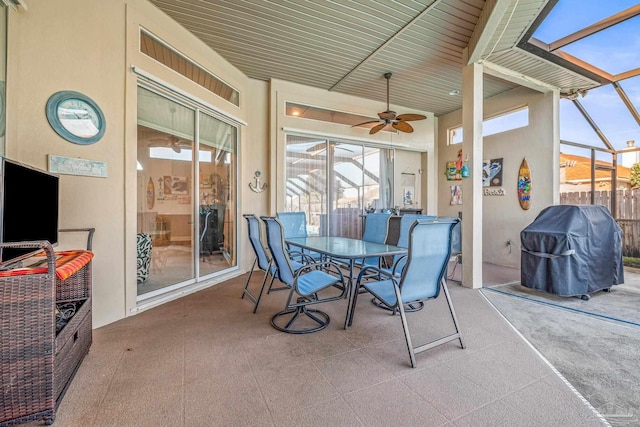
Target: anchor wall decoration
{"points": [[257, 188]]}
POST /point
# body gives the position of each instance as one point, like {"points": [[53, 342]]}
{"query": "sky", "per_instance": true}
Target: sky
{"points": [[614, 50]]}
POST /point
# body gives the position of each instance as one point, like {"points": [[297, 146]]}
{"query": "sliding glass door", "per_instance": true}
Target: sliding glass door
{"points": [[346, 189], [217, 194], [190, 222], [335, 181]]}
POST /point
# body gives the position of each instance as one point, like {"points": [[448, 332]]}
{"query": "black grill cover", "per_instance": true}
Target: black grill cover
{"points": [[572, 250]]}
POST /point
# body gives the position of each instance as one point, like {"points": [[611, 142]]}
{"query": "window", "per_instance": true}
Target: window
{"points": [[162, 53], [455, 135], [502, 123], [333, 181]]}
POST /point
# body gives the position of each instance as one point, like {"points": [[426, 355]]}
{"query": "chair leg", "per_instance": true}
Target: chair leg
{"points": [[452, 311], [405, 326], [413, 350], [245, 291], [253, 298], [264, 282], [457, 260], [271, 288]]}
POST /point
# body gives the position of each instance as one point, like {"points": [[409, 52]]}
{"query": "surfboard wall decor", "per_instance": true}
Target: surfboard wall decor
{"points": [[524, 185], [151, 194]]}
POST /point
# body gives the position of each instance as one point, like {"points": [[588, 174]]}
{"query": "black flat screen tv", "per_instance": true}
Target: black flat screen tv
{"points": [[28, 208]]}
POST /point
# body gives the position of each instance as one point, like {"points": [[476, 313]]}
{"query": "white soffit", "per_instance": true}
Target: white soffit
{"points": [[347, 46]]}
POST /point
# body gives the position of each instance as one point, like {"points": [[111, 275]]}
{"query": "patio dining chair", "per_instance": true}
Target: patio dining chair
{"points": [[422, 278], [305, 284], [399, 261], [262, 261], [406, 221], [376, 227], [295, 225]]}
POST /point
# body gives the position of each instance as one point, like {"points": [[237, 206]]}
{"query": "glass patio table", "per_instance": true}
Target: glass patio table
{"points": [[346, 249]]}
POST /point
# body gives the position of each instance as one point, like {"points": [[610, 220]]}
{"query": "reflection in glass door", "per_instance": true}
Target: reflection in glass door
{"points": [[334, 182], [165, 177], [217, 184], [186, 211], [306, 186], [346, 189]]}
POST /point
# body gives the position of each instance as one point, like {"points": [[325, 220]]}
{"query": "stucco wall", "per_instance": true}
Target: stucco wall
{"points": [[90, 46], [67, 45], [503, 219]]}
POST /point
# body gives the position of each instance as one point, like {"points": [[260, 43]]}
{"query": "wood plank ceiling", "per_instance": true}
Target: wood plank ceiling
{"points": [[347, 46]]}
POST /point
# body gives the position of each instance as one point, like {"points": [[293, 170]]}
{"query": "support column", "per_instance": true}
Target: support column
{"points": [[472, 100], [553, 97]]}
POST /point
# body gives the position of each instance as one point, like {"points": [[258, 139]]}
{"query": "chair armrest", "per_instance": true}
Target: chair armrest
{"points": [[376, 271], [43, 244], [395, 265], [89, 232], [321, 265], [304, 258]]}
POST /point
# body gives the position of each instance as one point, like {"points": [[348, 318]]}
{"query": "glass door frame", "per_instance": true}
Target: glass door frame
{"points": [[187, 101]]}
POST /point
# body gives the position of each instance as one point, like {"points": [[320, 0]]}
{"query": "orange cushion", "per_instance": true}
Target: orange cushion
{"points": [[67, 264]]}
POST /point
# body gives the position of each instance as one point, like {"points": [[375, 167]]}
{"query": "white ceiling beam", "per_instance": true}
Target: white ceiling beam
{"points": [[488, 23], [517, 78]]}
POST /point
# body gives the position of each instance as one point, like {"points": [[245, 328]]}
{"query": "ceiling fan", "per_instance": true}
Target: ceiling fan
{"points": [[172, 141], [388, 117]]}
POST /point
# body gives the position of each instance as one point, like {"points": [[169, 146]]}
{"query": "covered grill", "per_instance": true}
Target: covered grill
{"points": [[572, 250]]}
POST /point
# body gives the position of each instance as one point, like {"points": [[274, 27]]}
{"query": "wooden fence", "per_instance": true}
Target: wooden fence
{"points": [[627, 216]]}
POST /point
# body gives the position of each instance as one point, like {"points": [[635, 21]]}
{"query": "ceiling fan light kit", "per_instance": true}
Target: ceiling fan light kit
{"points": [[388, 117]]}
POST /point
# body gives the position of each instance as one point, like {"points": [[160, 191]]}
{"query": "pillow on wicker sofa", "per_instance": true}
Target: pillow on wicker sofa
{"points": [[143, 247]]}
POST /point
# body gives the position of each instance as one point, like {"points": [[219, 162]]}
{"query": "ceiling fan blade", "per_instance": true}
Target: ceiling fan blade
{"points": [[377, 128], [403, 127], [366, 123], [387, 115], [410, 117], [317, 147], [338, 147]]}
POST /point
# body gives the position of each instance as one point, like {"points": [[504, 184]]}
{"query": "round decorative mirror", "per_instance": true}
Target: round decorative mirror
{"points": [[75, 117]]}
